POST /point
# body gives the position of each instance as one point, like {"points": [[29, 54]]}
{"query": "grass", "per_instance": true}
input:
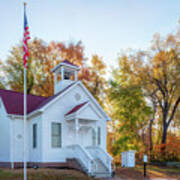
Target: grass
{"points": [[170, 170], [5, 174], [43, 174], [153, 172]]}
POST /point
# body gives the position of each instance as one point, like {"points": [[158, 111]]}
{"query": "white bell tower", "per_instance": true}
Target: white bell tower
{"points": [[64, 74]]}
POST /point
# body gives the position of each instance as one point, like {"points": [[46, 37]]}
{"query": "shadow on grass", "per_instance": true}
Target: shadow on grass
{"points": [[137, 173]]}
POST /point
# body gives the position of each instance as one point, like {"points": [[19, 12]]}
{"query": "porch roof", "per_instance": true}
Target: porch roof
{"points": [[76, 108], [85, 111]]}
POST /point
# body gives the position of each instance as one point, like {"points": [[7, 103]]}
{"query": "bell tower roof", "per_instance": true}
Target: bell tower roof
{"points": [[67, 64]]}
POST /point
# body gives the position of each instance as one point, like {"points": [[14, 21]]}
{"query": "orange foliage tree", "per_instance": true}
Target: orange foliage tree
{"points": [[171, 151], [94, 78], [157, 71], [43, 57]]}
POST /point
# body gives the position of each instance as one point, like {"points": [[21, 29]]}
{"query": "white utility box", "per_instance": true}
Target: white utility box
{"points": [[128, 159]]}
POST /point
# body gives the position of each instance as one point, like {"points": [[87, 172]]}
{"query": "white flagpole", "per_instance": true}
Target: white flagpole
{"points": [[25, 117]]}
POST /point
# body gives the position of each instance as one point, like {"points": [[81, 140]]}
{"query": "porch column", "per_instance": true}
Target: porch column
{"points": [[55, 78], [96, 134], [75, 76], [62, 73], [76, 129]]}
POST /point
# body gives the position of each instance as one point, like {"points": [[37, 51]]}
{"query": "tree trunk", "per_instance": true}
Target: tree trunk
{"points": [[166, 121], [150, 139], [164, 134], [164, 137]]}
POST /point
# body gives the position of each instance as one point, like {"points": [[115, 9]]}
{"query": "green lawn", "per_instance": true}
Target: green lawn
{"points": [[43, 174], [153, 172]]}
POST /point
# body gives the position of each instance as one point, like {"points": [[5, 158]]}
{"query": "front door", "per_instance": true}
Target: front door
{"points": [[83, 137]]}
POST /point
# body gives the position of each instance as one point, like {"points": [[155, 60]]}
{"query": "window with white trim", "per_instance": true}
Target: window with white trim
{"points": [[34, 135], [56, 135], [99, 136], [93, 137]]}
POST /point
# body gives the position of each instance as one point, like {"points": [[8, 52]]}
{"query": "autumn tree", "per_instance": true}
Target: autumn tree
{"points": [[176, 122], [73, 52], [130, 112], [2, 81], [2, 85], [95, 81], [43, 57], [157, 71], [171, 150], [151, 123]]}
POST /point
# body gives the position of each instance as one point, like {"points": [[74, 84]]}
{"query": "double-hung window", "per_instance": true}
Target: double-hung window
{"points": [[93, 137], [99, 136], [56, 135], [34, 135]]}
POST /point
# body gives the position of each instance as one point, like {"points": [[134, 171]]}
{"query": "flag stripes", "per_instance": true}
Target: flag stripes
{"points": [[25, 40]]}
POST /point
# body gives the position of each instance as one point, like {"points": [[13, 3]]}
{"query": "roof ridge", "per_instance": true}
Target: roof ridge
{"points": [[66, 61]]}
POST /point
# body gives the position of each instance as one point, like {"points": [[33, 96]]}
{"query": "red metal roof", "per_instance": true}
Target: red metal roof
{"points": [[76, 108], [14, 101]]}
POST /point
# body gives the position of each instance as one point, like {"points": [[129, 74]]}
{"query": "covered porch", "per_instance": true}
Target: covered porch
{"points": [[84, 143], [82, 126]]}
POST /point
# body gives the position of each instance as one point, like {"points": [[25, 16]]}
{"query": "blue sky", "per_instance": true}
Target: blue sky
{"points": [[105, 26]]}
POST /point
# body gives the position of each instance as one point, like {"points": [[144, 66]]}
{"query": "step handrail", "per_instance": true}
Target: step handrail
{"points": [[101, 154], [80, 153]]}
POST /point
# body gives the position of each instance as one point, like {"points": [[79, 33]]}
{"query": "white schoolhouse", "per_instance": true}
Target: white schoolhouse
{"points": [[67, 129]]}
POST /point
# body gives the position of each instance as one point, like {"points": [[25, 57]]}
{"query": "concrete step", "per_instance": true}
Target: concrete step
{"points": [[100, 172], [102, 175], [101, 168]]}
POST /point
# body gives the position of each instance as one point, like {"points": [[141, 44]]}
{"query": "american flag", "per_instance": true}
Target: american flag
{"points": [[25, 40]]}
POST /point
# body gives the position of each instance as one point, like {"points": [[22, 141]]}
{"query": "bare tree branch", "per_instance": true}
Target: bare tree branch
{"points": [[174, 110]]}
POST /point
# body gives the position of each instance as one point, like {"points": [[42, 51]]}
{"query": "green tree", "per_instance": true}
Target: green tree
{"points": [[157, 71], [130, 112]]}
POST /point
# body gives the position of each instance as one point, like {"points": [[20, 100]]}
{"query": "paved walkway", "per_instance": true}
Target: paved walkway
{"points": [[118, 178]]}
